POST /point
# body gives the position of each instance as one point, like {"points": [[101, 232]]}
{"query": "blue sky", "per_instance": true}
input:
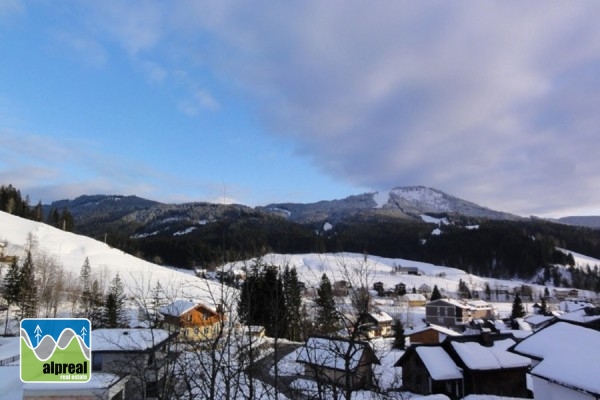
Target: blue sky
{"points": [[300, 101]]}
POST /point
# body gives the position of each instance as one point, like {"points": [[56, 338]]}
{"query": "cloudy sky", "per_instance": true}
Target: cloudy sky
{"points": [[495, 102]]}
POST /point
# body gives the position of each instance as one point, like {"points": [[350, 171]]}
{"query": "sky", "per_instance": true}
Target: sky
{"points": [[299, 101]]}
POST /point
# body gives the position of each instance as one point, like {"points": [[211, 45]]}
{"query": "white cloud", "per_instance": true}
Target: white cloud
{"points": [[489, 101]]}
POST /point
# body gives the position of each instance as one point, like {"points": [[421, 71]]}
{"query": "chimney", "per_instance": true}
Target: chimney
{"points": [[486, 337]]}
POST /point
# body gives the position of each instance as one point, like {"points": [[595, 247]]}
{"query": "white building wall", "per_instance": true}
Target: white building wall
{"points": [[544, 390]]}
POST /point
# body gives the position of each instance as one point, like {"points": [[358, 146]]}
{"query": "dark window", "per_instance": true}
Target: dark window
{"points": [[96, 362]]}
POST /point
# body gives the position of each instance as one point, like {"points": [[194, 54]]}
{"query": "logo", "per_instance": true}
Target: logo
{"points": [[55, 350]]}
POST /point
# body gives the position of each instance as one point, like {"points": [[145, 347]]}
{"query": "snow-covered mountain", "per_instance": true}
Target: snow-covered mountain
{"points": [[423, 200], [401, 202]]}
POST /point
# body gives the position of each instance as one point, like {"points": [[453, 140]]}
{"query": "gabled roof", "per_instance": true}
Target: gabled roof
{"points": [[438, 363], [438, 328], [478, 357], [569, 355], [336, 353], [381, 317], [180, 307], [127, 340], [452, 302], [177, 308]]}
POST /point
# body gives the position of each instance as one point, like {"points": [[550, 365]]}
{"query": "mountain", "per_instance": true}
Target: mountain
{"points": [[587, 221], [401, 202]]}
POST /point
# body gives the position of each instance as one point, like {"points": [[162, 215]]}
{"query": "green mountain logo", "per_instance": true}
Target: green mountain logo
{"points": [[55, 350]]}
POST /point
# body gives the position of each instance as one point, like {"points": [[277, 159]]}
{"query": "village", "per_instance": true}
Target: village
{"points": [[417, 335]]}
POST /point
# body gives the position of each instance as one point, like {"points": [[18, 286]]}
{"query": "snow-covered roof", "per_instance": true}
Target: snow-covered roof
{"points": [[573, 305], [414, 297], [177, 308], [479, 304], [127, 339], [569, 354], [438, 328], [333, 353], [579, 316], [538, 319], [478, 357], [438, 363], [449, 301], [381, 317]]}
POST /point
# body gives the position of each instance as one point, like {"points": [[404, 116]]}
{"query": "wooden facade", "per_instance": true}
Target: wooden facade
{"points": [[195, 322]]}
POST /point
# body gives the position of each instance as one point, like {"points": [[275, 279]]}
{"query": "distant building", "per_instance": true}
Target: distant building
{"points": [[377, 324], [341, 362], [454, 314], [414, 299]]}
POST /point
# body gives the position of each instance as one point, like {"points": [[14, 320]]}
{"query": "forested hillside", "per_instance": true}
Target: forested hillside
{"points": [[207, 235]]}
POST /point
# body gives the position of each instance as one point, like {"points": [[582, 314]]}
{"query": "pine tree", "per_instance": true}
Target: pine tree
{"points": [[86, 287], [293, 304], [95, 312], [463, 290], [28, 288], [11, 288], [435, 294], [114, 315], [327, 317], [518, 311], [262, 301], [399, 337]]}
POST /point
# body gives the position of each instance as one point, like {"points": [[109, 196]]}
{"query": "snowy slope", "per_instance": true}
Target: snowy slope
{"points": [[70, 250]]}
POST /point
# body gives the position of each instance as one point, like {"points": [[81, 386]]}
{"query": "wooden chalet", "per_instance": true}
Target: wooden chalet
{"points": [[377, 324], [193, 321], [429, 369], [429, 334]]}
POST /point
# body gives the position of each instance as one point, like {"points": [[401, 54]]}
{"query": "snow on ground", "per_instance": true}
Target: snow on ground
{"points": [[581, 260], [70, 251]]}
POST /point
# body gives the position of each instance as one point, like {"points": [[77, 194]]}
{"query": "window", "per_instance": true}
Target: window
{"points": [[96, 362]]}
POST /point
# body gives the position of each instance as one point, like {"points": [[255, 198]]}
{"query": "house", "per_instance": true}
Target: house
{"points": [[429, 369], [588, 316], [448, 312], [140, 355], [414, 299], [565, 361], [193, 321], [409, 270], [453, 313], [378, 287], [428, 334], [486, 367], [481, 309], [400, 288], [377, 324], [538, 321], [338, 361]]}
